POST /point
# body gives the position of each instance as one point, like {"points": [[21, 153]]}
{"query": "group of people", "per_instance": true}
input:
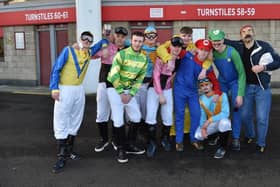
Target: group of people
{"points": [[136, 79]]}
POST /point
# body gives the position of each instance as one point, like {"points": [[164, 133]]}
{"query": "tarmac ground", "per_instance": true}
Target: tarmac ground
{"points": [[28, 151]]}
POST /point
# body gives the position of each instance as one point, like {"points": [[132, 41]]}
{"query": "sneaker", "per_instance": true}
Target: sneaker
{"points": [[101, 146], [220, 153], [166, 144], [151, 149], [132, 149], [214, 141], [235, 145], [248, 140], [114, 145], [74, 156], [260, 149], [122, 157], [179, 147], [198, 146], [59, 165]]}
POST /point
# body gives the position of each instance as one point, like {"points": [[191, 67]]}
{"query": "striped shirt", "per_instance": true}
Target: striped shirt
{"points": [[128, 71]]}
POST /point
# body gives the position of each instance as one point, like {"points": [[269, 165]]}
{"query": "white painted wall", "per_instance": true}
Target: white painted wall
{"points": [[88, 15]]}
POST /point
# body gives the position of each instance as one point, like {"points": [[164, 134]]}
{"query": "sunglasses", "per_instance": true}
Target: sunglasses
{"points": [[88, 38], [151, 36], [121, 30]]}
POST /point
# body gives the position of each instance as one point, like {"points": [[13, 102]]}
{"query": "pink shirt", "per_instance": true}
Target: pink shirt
{"points": [[112, 50], [161, 68]]}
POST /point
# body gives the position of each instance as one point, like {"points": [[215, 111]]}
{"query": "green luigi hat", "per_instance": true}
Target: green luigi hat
{"points": [[216, 35]]}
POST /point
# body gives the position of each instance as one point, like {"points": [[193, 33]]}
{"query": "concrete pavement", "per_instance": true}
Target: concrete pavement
{"points": [[27, 153]]}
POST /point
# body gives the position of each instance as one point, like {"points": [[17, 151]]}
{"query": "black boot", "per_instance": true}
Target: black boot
{"points": [[151, 148], [143, 133], [113, 140], [61, 156], [103, 131], [131, 147], [120, 140], [70, 144], [165, 140]]}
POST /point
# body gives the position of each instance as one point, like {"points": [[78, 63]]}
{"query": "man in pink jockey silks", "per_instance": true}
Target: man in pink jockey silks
{"points": [[160, 93]]}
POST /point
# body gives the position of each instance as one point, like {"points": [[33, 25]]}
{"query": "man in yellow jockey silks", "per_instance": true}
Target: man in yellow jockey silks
{"points": [[186, 35], [68, 93]]}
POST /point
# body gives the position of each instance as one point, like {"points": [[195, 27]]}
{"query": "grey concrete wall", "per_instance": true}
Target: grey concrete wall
{"points": [[19, 65]]}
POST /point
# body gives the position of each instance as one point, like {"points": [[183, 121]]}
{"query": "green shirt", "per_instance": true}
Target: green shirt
{"points": [[128, 71]]}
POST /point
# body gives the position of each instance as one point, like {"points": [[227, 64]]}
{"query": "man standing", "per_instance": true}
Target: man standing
{"points": [[214, 116], [231, 78], [186, 92], [126, 75], [160, 93], [103, 107], [259, 60], [66, 78]]}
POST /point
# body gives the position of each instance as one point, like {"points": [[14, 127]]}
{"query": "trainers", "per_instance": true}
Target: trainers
{"points": [[151, 149], [122, 157], [132, 149], [59, 165], [198, 146], [179, 147], [248, 140], [260, 149], [220, 153], [74, 156], [213, 141], [166, 144], [101, 146], [114, 145], [235, 145]]}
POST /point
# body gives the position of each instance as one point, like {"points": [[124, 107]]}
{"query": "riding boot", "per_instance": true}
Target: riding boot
{"points": [[132, 133], [70, 144], [103, 131], [120, 141], [151, 148], [61, 156], [165, 140]]}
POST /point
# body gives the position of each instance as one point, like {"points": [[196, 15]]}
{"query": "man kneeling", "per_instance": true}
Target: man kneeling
{"points": [[214, 116]]}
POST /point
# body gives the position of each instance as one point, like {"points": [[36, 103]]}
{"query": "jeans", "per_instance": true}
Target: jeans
{"points": [[232, 90], [261, 99]]}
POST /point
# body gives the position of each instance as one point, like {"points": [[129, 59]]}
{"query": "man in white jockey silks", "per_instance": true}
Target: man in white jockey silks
{"points": [[160, 93], [214, 116], [66, 88], [103, 106]]}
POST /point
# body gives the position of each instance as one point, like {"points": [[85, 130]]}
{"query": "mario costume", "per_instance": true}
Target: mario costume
{"points": [[186, 92]]}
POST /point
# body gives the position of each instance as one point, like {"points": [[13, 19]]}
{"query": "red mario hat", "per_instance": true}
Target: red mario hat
{"points": [[203, 44], [245, 26]]}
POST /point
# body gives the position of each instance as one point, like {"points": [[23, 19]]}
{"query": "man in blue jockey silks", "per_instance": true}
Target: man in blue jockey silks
{"points": [[214, 116], [66, 88]]}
